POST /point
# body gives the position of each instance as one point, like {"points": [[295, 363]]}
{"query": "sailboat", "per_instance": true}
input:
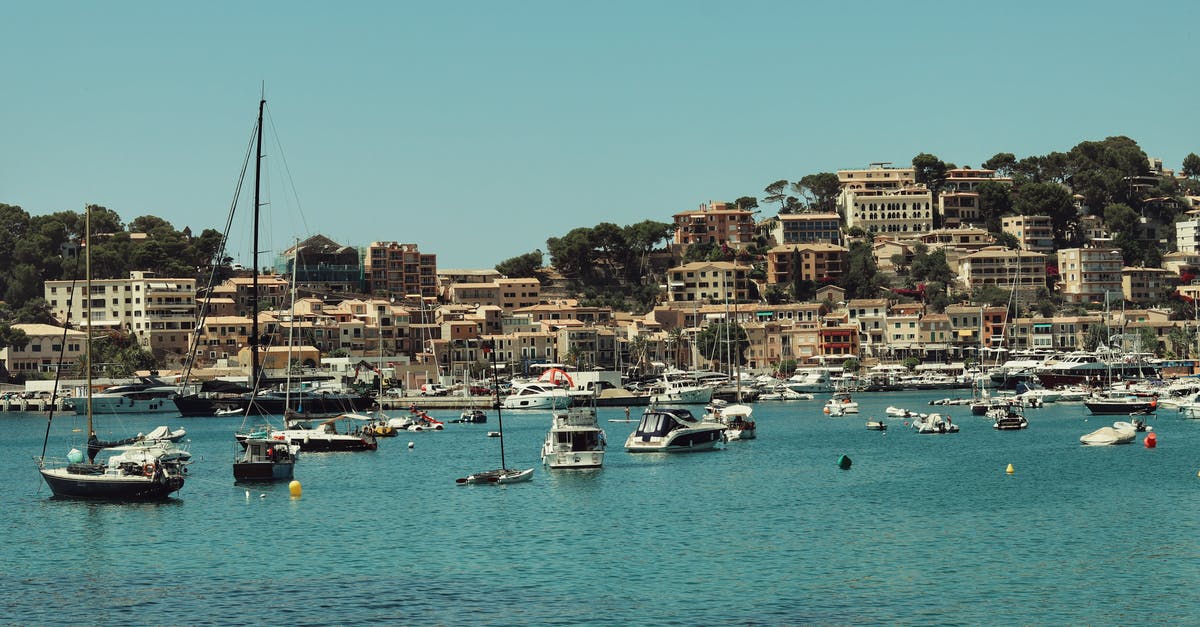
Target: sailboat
{"points": [[133, 469], [503, 474]]}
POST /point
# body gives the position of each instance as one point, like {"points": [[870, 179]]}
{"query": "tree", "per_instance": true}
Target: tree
{"points": [[746, 203], [861, 279], [821, 190], [1191, 166], [1001, 162], [1008, 240], [1102, 171], [995, 200], [723, 342], [911, 363], [521, 266], [777, 192], [930, 171], [1049, 199]]}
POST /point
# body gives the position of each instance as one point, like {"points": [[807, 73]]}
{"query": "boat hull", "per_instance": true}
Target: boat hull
{"points": [[125, 405], [66, 484], [264, 471], [317, 406], [573, 459], [689, 441]]}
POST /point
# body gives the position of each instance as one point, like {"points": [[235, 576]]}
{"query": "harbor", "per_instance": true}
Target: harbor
{"points": [[921, 529]]}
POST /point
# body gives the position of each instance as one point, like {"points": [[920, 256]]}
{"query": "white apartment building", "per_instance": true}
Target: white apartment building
{"points": [[159, 312], [1187, 236]]}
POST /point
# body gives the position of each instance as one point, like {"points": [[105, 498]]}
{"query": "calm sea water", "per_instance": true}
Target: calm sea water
{"points": [[922, 530]]}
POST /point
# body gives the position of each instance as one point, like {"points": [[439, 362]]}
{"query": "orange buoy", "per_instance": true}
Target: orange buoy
{"points": [[1151, 440]]}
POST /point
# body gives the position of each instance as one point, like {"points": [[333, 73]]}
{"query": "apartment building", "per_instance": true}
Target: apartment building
{"points": [[807, 228], [1089, 275], [399, 270], [1034, 233], [159, 312], [46, 345], [708, 281], [958, 202], [805, 262], [715, 223], [996, 266], [1146, 285]]}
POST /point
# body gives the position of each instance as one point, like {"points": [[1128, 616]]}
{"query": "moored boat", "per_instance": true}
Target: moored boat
{"points": [[673, 429], [575, 440]]}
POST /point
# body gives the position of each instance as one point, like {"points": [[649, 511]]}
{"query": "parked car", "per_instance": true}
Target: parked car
{"points": [[434, 389], [479, 390], [393, 392]]}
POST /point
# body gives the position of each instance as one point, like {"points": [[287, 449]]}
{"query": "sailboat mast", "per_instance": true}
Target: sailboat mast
{"points": [[254, 366], [87, 288], [499, 411]]}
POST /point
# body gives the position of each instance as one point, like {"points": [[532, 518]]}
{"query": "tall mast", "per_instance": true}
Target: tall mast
{"points": [[87, 288], [254, 366]]}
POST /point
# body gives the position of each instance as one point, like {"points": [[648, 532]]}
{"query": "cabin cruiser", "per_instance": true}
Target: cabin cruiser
{"points": [[537, 396], [1007, 418], [266, 460], [673, 429], [736, 419], [148, 395], [841, 404], [325, 436], [575, 440]]}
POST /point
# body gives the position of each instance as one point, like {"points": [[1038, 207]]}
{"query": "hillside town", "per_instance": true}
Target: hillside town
{"points": [[387, 310]]}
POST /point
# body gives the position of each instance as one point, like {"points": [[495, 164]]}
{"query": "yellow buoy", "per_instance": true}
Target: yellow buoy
{"points": [[294, 489], [1009, 470]]}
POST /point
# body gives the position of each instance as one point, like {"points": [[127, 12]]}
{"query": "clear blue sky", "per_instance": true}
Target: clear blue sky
{"points": [[479, 129]]}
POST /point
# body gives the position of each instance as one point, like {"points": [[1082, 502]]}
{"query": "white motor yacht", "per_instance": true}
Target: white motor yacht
{"points": [[537, 396], [680, 391], [673, 429], [934, 424], [841, 404], [575, 440]]}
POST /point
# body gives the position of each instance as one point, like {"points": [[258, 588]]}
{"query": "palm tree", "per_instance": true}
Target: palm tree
{"points": [[674, 343]]}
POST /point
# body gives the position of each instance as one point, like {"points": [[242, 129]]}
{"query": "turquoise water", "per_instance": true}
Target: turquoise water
{"points": [[922, 530]]}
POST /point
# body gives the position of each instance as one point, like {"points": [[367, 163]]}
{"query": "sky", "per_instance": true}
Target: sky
{"points": [[477, 129]]}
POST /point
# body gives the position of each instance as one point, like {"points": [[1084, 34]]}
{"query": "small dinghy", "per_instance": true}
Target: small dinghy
{"points": [[1108, 436]]}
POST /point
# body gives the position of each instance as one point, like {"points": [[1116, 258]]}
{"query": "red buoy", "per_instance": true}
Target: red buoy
{"points": [[1151, 440]]}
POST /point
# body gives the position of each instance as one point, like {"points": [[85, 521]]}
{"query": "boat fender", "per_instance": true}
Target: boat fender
{"points": [[1151, 440], [148, 470]]}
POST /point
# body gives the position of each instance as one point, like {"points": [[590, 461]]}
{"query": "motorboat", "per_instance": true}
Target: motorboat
{"points": [[673, 429], [163, 432], [736, 419], [876, 425], [934, 424], [471, 416], [1107, 436], [575, 440], [325, 435], [1007, 418], [148, 395], [811, 380], [217, 398], [417, 420], [140, 470], [265, 459], [841, 404], [537, 396]]}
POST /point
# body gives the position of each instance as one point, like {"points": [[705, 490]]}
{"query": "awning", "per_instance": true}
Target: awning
{"points": [[966, 332]]}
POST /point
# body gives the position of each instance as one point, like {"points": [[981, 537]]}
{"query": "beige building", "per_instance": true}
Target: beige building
{"points": [[963, 237], [508, 294], [1146, 285], [882, 199], [958, 202], [159, 312], [1006, 269], [1086, 275], [44, 349], [1034, 233], [715, 223], [708, 281]]}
